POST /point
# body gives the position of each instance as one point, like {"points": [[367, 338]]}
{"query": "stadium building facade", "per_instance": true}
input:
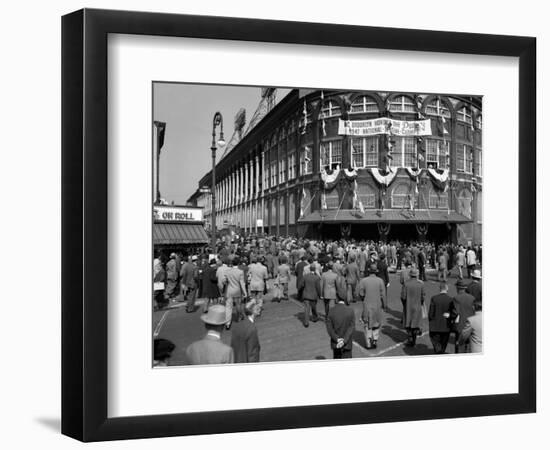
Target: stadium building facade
{"points": [[361, 164]]}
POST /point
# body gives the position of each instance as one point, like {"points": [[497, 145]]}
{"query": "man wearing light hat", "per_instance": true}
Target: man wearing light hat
{"points": [[210, 349], [474, 288]]}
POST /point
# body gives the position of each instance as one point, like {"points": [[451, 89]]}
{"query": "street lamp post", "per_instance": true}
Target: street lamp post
{"points": [[218, 120]]}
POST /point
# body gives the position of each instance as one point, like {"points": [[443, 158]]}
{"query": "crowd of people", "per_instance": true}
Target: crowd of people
{"points": [[235, 279]]}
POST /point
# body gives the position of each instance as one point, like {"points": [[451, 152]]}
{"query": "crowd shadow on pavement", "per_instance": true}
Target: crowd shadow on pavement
{"points": [[418, 349], [395, 334], [359, 337]]}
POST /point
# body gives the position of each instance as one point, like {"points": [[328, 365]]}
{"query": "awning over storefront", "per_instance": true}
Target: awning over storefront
{"points": [[387, 216], [179, 233]]}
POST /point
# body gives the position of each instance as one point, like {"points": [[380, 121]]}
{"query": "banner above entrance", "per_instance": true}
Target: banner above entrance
{"points": [[383, 125]]}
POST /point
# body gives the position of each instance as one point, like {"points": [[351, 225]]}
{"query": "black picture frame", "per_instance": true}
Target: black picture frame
{"points": [[84, 224]]}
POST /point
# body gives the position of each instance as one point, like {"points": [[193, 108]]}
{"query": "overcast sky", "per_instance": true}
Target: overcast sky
{"points": [[188, 110]]}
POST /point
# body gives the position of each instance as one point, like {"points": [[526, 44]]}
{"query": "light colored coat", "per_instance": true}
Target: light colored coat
{"points": [[234, 279], [328, 285], [209, 350], [472, 332], [373, 292], [257, 276]]}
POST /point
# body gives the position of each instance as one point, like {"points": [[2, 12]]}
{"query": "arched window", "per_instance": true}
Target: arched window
{"points": [[282, 210], [438, 199], [364, 152], [465, 203], [332, 198], [402, 103], [399, 196], [479, 122], [364, 104], [464, 115], [306, 157], [464, 158], [292, 165], [282, 169], [404, 152], [437, 108], [329, 109], [366, 195], [292, 209], [437, 154], [331, 154]]}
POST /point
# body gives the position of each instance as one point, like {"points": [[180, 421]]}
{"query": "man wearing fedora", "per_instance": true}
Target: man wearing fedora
{"points": [[474, 287], [373, 292], [415, 294], [210, 349], [463, 305], [244, 336]]}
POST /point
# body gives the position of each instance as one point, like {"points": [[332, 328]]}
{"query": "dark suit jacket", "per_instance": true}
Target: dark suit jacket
{"points": [[440, 304], [245, 342], [312, 287], [341, 324], [300, 272], [210, 283], [474, 288]]}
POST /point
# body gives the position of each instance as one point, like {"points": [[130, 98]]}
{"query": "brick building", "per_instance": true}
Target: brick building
{"points": [[330, 163]]}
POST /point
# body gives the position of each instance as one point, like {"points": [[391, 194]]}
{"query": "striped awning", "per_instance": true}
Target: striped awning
{"points": [[179, 233]]}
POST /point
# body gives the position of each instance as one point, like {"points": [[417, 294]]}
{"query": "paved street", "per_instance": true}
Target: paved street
{"points": [[284, 338]]}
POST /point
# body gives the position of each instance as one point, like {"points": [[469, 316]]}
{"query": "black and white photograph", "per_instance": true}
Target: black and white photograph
{"points": [[300, 224]]}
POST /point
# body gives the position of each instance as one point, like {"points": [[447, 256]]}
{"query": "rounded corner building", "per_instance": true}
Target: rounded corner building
{"points": [[361, 164]]}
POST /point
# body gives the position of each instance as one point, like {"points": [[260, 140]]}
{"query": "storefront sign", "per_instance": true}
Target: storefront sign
{"points": [[384, 125], [177, 214]]}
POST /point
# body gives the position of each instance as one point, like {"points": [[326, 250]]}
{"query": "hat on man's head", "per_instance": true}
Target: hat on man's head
{"points": [[213, 261], [461, 284], [373, 268], [215, 315], [476, 274], [194, 258], [413, 272]]}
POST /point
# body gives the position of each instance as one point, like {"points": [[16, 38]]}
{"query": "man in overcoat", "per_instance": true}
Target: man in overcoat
{"points": [[328, 287], [373, 292], [415, 296], [474, 288], [340, 327], [440, 315], [244, 336], [257, 279], [210, 285], [353, 276], [235, 291], [189, 280], [463, 306], [300, 275], [472, 332], [311, 293], [210, 349]]}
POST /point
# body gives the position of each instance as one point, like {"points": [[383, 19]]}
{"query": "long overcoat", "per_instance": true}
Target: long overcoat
{"points": [[373, 292], [415, 295]]}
